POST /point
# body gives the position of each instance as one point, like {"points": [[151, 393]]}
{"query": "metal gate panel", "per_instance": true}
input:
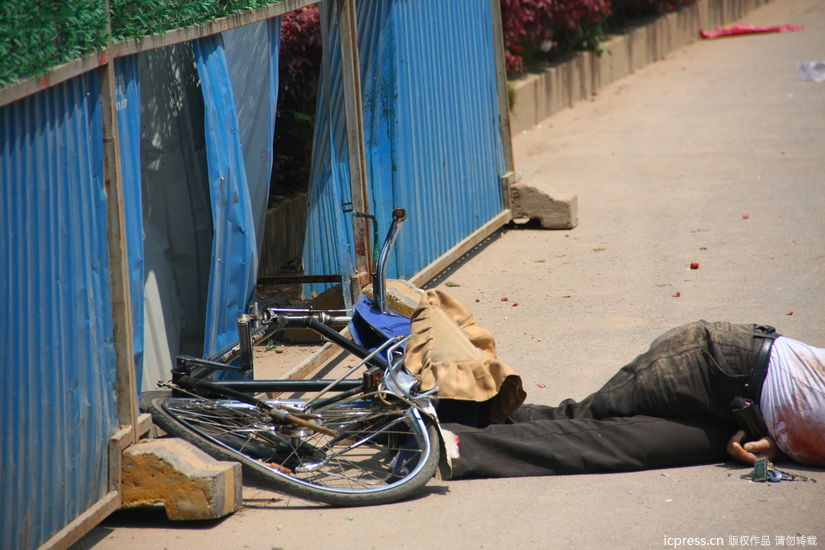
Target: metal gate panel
{"points": [[56, 329], [432, 125], [327, 246], [433, 140]]}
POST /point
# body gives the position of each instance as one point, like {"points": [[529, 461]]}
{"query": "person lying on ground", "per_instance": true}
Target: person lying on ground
{"points": [[671, 406]]}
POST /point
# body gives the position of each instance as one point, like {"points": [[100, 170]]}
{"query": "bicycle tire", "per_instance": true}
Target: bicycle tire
{"points": [[384, 453]]}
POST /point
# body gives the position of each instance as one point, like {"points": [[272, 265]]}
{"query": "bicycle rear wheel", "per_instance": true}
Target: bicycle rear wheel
{"points": [[380, 453]]}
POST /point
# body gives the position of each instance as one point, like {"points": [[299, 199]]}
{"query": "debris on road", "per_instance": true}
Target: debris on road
{"points": [[744, 28], [812, 70]]}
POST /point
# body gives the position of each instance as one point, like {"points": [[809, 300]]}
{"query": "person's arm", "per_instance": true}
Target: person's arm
{"points": [[751, 451]]}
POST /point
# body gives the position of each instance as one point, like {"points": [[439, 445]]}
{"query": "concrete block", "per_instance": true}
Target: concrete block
{"points": [[544, 94], [175, 474], [581, 81], [618, 57], [639, 50], [558, 87], [542, 97], [658, 37], [687, 26], [601, 70], [523, 114], [553, 91], [711, 13], [532, 203]]}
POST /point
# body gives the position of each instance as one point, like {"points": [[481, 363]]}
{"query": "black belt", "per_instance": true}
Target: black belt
{"points": [[753, 387]]}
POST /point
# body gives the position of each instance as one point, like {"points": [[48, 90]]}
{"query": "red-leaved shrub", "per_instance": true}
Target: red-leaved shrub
{"points": [[299, 67], [534, 28], [300, 45]]}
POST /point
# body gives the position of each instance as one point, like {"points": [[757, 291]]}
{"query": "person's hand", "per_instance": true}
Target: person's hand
{"points": [[751, 451]]}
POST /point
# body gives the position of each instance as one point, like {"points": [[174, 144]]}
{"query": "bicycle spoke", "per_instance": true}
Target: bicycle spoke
{"points": [[377, 445]]}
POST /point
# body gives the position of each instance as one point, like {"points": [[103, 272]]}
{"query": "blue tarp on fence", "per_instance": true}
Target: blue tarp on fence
{"points": [[234, 252], [234, 264]]}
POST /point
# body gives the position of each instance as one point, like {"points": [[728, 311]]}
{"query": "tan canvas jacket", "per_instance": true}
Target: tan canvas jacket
{"points": [[448, 349]]}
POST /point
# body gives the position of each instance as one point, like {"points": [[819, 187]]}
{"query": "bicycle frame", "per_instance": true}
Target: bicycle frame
{"points": [[377, 333]]}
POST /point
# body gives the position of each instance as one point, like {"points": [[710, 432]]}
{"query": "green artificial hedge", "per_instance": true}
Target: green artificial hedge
{"points": [[140, 18], [36, 35]]}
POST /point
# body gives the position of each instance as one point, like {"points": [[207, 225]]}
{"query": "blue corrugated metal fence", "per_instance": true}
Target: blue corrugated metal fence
{"points": [[432, 130], [56, 333], [128, 120]]}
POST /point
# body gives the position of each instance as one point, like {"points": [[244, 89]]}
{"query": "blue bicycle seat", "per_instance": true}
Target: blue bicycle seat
{"points": [[371, 328]]}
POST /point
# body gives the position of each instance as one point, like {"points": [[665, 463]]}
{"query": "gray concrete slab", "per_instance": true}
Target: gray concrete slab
{"points": [[715, 155]]}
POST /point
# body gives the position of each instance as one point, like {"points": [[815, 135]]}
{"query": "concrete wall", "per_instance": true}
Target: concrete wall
{"points": [[538, 96]]}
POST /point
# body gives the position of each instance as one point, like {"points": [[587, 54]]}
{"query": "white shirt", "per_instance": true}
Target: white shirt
{"points": [[793, 400]]}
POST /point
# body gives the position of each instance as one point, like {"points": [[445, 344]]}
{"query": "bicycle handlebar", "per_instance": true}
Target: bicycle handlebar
{"points": [[317, 324], [379, 283]]}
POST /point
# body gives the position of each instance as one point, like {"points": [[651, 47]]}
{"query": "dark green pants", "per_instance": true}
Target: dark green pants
{"points": [[668, 407]]}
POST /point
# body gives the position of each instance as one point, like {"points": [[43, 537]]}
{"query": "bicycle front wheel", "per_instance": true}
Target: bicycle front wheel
{"points": [[380, 452]]}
